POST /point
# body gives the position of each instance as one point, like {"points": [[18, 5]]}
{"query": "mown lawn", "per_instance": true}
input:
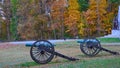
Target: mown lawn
{"points": [[113, 62], [95, 63], [109, 40], [102, 60]]}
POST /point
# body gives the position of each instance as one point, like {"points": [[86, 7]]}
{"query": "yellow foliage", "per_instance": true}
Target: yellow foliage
{"points": [[97, 19], [72, 17]]}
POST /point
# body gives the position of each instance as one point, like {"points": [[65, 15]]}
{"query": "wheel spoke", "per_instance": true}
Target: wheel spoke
{"points": [[86, 50], [41, 59], [38, 57], [46, 57], [48, 54], [92, 51], [36, 54]]}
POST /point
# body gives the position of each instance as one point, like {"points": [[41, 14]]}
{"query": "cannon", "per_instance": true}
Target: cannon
{"points": [[43, 51], [92, 47]]}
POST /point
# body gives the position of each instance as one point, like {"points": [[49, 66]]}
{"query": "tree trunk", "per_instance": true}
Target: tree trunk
{"points": [[8, 30], [7, 10]]}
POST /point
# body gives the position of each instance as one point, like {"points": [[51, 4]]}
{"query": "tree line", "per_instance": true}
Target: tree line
{"points": [[56, 19]]}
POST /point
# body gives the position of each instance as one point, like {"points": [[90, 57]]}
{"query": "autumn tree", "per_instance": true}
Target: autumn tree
{"points": [[1, 20], [72, 17], [58, 9], [8, 9], [97, 21], [113, 7], [33, 21], [7, 14]]}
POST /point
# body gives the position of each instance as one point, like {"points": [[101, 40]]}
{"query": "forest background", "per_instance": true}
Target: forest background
{"points": [[56, 19]]}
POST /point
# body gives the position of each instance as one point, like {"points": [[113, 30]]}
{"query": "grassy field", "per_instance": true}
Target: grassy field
{"points": [[109, 40], [111, 62], [102, 60], [18, 56], [95, 63]]}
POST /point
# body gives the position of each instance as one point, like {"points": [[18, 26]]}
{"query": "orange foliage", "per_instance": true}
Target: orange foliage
{"points": [[72, 17], [97, 19]]}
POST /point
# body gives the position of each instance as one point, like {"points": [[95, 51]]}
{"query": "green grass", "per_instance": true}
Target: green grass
{"points": [[96, 63], [109, 40], [93, 63], [27, 64]]}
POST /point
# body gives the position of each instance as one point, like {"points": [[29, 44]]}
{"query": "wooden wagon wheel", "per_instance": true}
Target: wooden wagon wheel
{"points": [[39, 54], [88, 47]]}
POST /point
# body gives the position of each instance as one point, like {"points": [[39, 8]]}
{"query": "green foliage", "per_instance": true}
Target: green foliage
{"points": [[84, 4], [14, 19], [14, 6], [114, 1]]}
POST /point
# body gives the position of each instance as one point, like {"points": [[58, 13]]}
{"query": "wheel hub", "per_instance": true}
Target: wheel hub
{"points": [[42, 52], [89, 45]]}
